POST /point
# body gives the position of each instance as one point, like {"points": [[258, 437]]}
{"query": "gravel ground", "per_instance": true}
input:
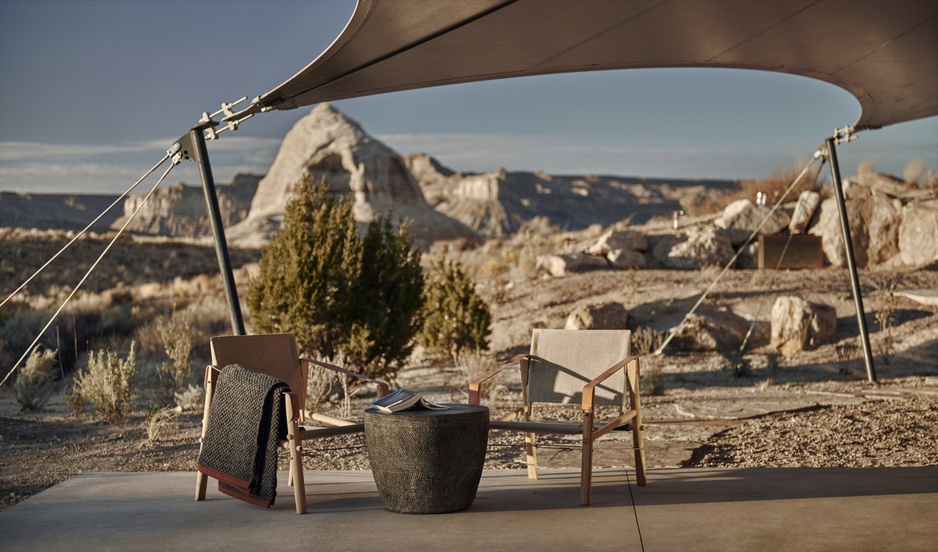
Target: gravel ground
{"points": [[896, 427]]}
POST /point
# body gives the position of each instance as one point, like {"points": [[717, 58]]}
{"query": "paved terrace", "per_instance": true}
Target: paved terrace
{"points": [[799, 509]]}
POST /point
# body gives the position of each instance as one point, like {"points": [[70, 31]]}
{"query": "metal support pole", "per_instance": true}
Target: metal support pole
{"points": [[851, 261], [199, 153]]}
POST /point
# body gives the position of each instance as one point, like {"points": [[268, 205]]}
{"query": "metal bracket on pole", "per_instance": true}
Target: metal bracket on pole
{"points": [[830, 152], [192, 146]]}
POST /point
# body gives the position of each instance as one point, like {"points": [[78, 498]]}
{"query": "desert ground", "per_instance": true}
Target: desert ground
{"points": [[756, 408]]}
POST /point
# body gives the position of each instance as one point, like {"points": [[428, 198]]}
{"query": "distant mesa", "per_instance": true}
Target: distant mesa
{"points": [[441, 203]]}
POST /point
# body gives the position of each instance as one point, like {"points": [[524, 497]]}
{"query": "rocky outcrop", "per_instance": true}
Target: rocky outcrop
{"points": [[918, 233], [874, 226], [746, 215], [180, 210], [56, 211], [328, 146], [698, 247], [497, 203]]}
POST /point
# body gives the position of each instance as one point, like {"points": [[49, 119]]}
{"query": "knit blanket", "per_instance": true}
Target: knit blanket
{"points": [[246, 419]]}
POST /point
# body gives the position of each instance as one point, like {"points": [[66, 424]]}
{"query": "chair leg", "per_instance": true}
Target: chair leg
{"points": [[530, 449], [201, 485], [296, 456], [586, 464], [638, 432], [638, 439], [297, 479], [201, 480]]}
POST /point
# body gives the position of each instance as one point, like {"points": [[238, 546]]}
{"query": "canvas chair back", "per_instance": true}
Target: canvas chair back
{"points": [[566, 360], [273, 354]]}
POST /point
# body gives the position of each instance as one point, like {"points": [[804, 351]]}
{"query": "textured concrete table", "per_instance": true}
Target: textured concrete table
{"points": [[427, 461]]}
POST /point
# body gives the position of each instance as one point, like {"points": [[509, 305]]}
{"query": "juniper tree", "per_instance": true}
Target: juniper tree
{"points": [[456, 318], [337, 292], [308, 271]]}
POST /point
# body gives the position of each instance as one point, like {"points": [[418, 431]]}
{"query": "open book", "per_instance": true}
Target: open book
{"points": [[402, 399]]}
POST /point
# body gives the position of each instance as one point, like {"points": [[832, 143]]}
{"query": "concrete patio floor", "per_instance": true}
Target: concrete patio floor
{"points": [[680, 509]]}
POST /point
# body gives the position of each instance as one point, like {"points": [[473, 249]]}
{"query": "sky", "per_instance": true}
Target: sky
{"points": [[93, 93]]}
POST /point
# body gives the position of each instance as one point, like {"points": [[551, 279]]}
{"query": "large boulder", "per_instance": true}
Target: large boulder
{"points": [[626, 259], [606, 316], [918, 232], [807, 205], [746, 215], [699, 332], [701, 246], [798, 325], [874, 226], [630, 240], [561, 265]]}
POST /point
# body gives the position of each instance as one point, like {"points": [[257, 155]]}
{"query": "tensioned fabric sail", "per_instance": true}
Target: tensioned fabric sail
{"points": [[884, 52]]}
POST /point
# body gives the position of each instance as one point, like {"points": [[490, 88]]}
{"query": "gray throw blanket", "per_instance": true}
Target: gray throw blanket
{"points": [[245, 422]]}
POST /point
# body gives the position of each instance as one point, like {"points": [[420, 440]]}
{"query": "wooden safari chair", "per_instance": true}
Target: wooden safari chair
{"points": [[584, 367], [276, 355]]}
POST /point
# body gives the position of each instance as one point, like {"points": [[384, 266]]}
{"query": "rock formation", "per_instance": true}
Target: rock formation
{"points": [[180, 210], [328, 146]]}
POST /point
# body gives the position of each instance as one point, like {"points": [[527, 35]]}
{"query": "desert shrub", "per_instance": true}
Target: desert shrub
{"points": [[774, 186], [645, 340], [19, 326], [190, 398], [914, 170], [319, 386], [651, 378], [176, 334], [160, 423], [336, 292], [456, 319], [106, 384], [887, 300], [36, 380]]}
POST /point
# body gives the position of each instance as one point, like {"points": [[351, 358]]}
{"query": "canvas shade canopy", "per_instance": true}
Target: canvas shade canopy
{"points": [[884, 52]]}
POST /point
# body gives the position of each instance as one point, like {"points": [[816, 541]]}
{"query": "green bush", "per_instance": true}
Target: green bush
{"points": [[337, 292], [456, 319], [106, 383], [36, 381], [306, 277]]}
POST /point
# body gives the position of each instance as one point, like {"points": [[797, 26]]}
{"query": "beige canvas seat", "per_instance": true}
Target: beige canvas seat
{"points": [[580, 367], [276, 355]]}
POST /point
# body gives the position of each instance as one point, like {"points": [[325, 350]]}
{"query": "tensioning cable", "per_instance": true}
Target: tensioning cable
{"points": [[93, 266], [775, 207], [80, 234]]}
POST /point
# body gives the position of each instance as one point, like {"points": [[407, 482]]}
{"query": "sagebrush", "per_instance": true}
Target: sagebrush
{"points": [[35, 382], [106, 384]]}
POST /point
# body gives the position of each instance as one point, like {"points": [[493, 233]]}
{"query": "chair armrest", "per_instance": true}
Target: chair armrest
{"points": [[211, 373], [589, 390], [383, 388], [475, 386]]}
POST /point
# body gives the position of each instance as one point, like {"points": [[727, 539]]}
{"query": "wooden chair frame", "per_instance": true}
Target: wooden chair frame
{"points": [[296, 416], [522, 419]]}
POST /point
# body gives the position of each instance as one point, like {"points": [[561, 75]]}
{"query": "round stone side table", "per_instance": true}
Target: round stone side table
{"points": [[427, 461]]}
